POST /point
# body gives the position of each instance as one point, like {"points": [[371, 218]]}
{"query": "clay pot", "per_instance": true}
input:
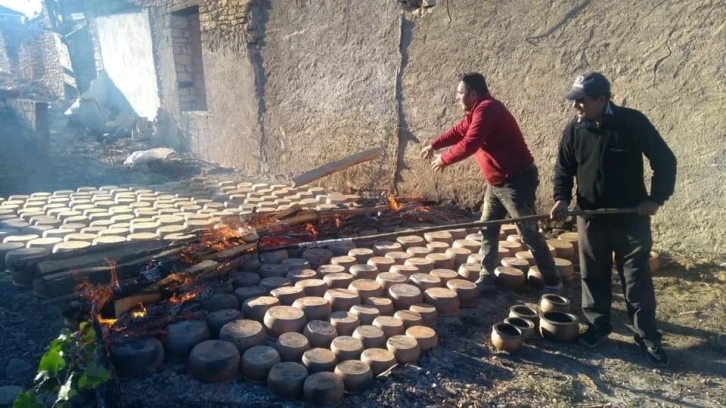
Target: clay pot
{"points": [[460, 255], [511, 247], [554, 303], [288, 295], [474, 259], [366, 313], [559, 326], [273, 271], [466, 291], [563, 249], [217, 319], [270, 284], [444, 300], [371, 336], [137, 358], [514, 262], [419, 251], [571, 237], [506, 337], [317, 257], [291, 346], [534, 276], [410, 241], [338, 280], [313, 287], [654, 260], [243, 334], [426, 337], [314, 308], [524, 325], [441, 261], [381, 248], [361, 255], [357, 376], [381, 263], [296, 264], [379, 359], [409, 318], [437, 247], [509, 278], [427, 312], [364, 271], [346, 348], [388, 279], [444, 275], [524, 312], [391, 326], [286, 380], [440, 236], [283, 319], [319, 359], [21, 264], [181, 337], [324, 389], [345, 323], [344, 261], [470, 271], [384, 305], [425, 281], [296, 276], [564, 268], [404, 348], [256, 308], [320, 333], [214, 361], [342, 299], [257, 362], [526, 256], [404, 295], [422, 265]]}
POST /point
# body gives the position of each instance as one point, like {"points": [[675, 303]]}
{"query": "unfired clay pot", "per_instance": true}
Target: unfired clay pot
{"points": [[559, 326], [506, 337]]}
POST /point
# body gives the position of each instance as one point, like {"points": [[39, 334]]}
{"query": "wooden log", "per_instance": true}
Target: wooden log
{"points": [[336, 166], [123, 305]]}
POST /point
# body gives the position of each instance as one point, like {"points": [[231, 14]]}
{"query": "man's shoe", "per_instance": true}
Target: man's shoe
{"points": [[485, 284], [591, 337], [656, 355], [555, 290]]}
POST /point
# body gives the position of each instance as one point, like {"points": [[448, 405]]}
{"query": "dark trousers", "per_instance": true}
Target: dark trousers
{"points": [[630, 238], [516, 197]]}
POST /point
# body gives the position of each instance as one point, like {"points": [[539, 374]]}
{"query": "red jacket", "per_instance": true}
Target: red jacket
{"points": [[492, 135]]}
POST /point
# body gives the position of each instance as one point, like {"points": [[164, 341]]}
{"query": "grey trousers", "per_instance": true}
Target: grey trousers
{"points": [[516, 197], [630, 238]]}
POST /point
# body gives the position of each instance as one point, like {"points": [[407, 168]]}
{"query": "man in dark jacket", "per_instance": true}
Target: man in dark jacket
{"points": [[491, 134], [603, 149]]}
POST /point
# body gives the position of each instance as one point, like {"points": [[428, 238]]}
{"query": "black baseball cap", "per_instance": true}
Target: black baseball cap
{"points": [[590, 84]]}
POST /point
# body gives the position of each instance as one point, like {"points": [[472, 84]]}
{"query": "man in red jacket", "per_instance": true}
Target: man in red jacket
{"points": [[491, 134]]}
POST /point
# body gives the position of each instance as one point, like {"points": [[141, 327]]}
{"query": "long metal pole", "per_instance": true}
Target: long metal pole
{"points": [[390, 235]]}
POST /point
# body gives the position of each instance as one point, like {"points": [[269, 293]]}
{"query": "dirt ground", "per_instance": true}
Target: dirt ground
{"points": [[463, 371]]}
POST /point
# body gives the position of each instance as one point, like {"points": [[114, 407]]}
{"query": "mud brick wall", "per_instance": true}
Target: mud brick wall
{"points": [[187, 49]]}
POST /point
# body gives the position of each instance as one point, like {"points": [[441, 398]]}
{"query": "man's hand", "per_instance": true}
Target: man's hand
{"points": [[559, 209], [427, 152], [648, 207], [437, 165]]}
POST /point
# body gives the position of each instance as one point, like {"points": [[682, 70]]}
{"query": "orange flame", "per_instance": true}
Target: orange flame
{"points": [[114, 276], [140, 312], [311, 229], [393, 204], [183, 298]]}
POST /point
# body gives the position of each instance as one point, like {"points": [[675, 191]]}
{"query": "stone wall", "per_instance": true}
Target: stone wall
{"points": [[187, 48], [29, 114], [294, 84], [29, 53]]}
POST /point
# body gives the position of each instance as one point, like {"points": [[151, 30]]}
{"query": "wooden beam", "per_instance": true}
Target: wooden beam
{"points": [[336, 166]]}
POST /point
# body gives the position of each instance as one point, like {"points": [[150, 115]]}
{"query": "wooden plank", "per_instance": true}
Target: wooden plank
{"points": [[336, 166]]}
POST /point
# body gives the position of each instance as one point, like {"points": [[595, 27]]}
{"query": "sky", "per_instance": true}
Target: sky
{"points": [[29, 7]]}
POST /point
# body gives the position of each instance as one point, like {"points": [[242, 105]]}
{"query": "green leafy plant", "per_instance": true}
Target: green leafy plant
{"points": [[66, 367]]}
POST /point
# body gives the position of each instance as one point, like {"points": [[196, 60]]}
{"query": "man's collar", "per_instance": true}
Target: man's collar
{"points": [[589, 123]]}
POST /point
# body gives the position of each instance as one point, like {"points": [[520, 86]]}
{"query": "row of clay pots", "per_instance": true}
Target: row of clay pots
{"points": [[553, 321]]}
